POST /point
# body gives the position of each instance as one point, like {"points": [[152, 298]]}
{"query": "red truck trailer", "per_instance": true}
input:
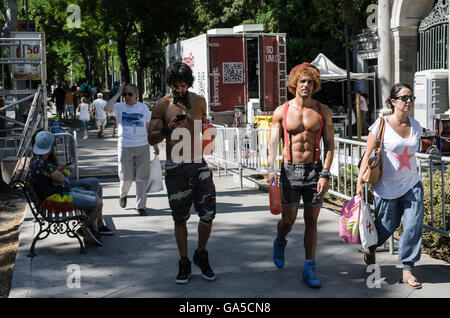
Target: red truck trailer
{"points": [[238, 70]]}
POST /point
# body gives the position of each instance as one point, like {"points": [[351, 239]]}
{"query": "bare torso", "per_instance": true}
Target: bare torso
{"points": [[303, 126], [191, 127]]}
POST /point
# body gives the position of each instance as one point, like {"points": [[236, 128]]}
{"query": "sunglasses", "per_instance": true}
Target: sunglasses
{"points": [[129, 94], [404, 98]]}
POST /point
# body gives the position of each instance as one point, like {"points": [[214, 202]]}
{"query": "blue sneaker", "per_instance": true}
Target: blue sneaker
{"points": [[278, 252], [309, 274]]}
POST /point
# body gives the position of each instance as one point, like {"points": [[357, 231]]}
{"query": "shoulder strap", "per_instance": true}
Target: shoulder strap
{"points": [[286, 135], [317, 150], [380, 133]]}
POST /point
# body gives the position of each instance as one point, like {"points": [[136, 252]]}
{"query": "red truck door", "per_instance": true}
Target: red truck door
{"points": [[226, 73], [273, 81]]}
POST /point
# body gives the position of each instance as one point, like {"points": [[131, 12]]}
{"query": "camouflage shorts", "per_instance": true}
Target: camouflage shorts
{"points": [[189, 183]]}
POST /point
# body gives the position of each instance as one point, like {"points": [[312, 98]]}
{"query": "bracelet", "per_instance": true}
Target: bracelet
{"points": [[325, 175], [165, 130]]}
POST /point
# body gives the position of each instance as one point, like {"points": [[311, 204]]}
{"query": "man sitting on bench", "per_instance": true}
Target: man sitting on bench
{"points": [[53, 187]]}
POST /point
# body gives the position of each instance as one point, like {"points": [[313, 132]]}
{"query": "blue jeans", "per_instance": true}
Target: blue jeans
{"points": [[84, 125], [388, 214], [86, 193], [90, 184]]}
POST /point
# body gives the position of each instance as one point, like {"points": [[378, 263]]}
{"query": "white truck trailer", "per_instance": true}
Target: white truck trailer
{"points": [[238, 70]]}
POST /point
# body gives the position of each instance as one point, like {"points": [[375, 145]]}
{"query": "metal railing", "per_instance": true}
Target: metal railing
{"points": [[240, 148]]}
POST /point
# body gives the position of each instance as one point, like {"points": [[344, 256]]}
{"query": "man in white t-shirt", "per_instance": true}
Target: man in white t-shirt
{"points": [[100, 115], [133, 118]]}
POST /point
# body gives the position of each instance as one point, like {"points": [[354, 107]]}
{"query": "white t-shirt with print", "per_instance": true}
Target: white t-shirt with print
{"points": [[132, 122], [399, 162]]}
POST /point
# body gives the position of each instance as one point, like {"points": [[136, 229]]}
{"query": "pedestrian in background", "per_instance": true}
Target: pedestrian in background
{"points": [[85, 115], [133, 118], [100, 115]]}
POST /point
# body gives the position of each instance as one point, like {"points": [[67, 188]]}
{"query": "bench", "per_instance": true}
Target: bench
{"points": [[49, 223]]}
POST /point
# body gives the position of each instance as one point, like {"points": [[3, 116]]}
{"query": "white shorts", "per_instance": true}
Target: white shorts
{"points": [[100, 122]]}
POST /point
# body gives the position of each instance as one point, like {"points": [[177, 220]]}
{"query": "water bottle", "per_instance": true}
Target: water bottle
{"points": [[275, 198]]}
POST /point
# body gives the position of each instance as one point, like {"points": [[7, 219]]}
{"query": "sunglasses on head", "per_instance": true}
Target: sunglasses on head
{"points": [[404, 98], [125, 94]]}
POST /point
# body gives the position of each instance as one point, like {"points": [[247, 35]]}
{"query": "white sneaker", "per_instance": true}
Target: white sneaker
{"points": [[85, 137]]}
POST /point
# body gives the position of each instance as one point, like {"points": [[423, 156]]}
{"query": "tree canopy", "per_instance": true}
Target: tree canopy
{"points": [[136, 32]]}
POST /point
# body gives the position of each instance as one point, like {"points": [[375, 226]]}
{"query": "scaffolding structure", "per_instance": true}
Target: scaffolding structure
{"points": [[37, 111]]}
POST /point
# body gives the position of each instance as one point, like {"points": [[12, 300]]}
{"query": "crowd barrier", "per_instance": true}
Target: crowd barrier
{"points": [[246, 148]]}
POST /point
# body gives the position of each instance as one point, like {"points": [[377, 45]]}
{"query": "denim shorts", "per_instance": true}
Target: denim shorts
{"points": [[300, 180], [84, 199]]}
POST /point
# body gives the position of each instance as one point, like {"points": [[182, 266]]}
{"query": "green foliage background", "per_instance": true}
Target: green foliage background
{"points": [[141, 29]]}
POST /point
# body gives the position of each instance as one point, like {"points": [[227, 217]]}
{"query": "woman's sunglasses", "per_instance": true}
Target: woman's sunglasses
{"points": [[129, 94], [404, 98]]}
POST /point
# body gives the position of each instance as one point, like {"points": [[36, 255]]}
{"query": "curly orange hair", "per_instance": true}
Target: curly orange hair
{"points": [[299, 71]]}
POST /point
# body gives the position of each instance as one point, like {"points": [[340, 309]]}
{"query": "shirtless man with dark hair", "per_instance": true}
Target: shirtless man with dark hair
{"points": [[301, 122], [178, 117]]}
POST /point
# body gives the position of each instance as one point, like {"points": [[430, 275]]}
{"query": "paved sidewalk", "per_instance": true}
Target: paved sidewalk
{"points": [[141, 260]]}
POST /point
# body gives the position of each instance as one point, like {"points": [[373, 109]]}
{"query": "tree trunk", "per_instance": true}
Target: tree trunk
{"points": [[124, 69], [106, 69], [140, 77]]}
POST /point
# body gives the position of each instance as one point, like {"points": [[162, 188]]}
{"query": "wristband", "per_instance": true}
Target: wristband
{"points": [[165, 130], [325, 175]]}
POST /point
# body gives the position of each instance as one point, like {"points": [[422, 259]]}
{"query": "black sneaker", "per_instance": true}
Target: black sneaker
{"points": [[184, 272], [201, 260], [104, 230], [142, 212], [93, 235], [123, 202]]}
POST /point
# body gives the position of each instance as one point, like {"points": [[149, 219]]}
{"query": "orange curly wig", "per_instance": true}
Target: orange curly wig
{"points": [[300, 70]]}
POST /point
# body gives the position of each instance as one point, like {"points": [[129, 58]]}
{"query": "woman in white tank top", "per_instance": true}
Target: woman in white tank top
{"points": [[399, 192], [85, 111]]}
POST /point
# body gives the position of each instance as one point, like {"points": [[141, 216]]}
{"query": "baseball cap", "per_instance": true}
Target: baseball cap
{"points": [[43, 143], [304, 64], [99, 95]]}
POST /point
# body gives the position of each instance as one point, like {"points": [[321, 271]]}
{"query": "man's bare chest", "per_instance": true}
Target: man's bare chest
{"points": [[306, 121]]}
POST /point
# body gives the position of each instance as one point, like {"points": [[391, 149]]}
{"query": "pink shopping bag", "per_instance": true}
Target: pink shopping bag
{"points": [[349, 221]]}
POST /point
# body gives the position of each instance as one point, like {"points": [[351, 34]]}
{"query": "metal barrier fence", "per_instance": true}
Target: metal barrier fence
{"points": [[247, 148], [66, 149]]}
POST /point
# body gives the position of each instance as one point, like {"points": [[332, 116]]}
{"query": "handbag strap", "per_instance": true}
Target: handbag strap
{"points": [[380, 134], [317, 150], [287, 143]]}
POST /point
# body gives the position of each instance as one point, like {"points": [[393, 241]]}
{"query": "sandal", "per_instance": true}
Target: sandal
{"points": [[411, 281], [369, 257]]}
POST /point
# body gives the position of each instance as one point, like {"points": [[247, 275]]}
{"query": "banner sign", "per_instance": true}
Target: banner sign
{"points": [[29, 49]]}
